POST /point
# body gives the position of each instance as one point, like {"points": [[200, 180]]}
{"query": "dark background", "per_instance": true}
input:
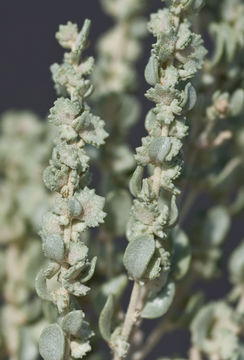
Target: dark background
{"points": [[28, 48]]}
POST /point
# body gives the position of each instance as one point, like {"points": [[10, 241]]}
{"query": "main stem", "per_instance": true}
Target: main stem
{"points": [[132, 314], [132, 311]]}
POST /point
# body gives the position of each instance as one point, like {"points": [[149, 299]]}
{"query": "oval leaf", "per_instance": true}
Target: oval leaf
{"points": [[52, 343], [41, 287], [182, 254], [216, 226], [159, 148], [136, 181], [159, 305], [53, 247], [105, 318], [190, 97], [151, 70], [72, 322], [138, 255]]}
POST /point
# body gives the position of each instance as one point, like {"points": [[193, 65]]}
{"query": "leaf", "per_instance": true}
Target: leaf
{"points": [[201, 324], [136, 181], [72, 322], [159, 148], [75, 207], [138, 255], [64, 111], [117, 207], [159, 305], [237, 102], [116, 286], [91, 270], [236, 264], [105, 318], [53, 247], [151, 70], [174, 212], [216, 226], [28, 349], [52, 343], [190, 97], [41, 286], [181, 254], [92, 205], [91, 129]]}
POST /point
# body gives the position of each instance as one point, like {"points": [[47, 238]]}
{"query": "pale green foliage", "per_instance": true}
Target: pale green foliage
{"points": [[155, 210], [159, 304], [194, 149], [138, 255], [77, 207], [215, 331], [23, 201], [105, 318]]}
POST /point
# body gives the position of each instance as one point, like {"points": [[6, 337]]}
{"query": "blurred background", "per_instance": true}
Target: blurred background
{"points": [[28, 48]]}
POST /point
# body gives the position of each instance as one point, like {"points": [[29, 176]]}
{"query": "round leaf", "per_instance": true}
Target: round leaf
{"points": [[52, 343], [53, 247], [138, 255], [159, 305], [72, 322], [159, 148]]}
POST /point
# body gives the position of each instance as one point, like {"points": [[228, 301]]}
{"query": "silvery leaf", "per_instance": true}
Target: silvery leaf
{"points": [[160, 303]]}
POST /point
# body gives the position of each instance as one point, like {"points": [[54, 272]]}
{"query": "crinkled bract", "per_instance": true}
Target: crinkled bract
{"points": [[92, 205], [64, 111], [67, 35]]}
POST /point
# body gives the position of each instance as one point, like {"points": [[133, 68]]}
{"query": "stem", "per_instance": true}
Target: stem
{"points": [[167, 324], [132, 314], [157, 179], [132, 311], [195, 354]]}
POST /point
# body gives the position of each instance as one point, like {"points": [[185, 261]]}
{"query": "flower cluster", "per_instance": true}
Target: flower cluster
{"points": [[175, 58], [76, 207]]}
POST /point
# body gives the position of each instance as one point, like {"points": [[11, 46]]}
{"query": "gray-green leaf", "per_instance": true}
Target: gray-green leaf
{"points": [[72, 322], [151, 70], [181, 254], [159, 304], [105, 318], [138, 255], [53, 247], [136, 181], [216, 226], [159, 148], [52, 343]]}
